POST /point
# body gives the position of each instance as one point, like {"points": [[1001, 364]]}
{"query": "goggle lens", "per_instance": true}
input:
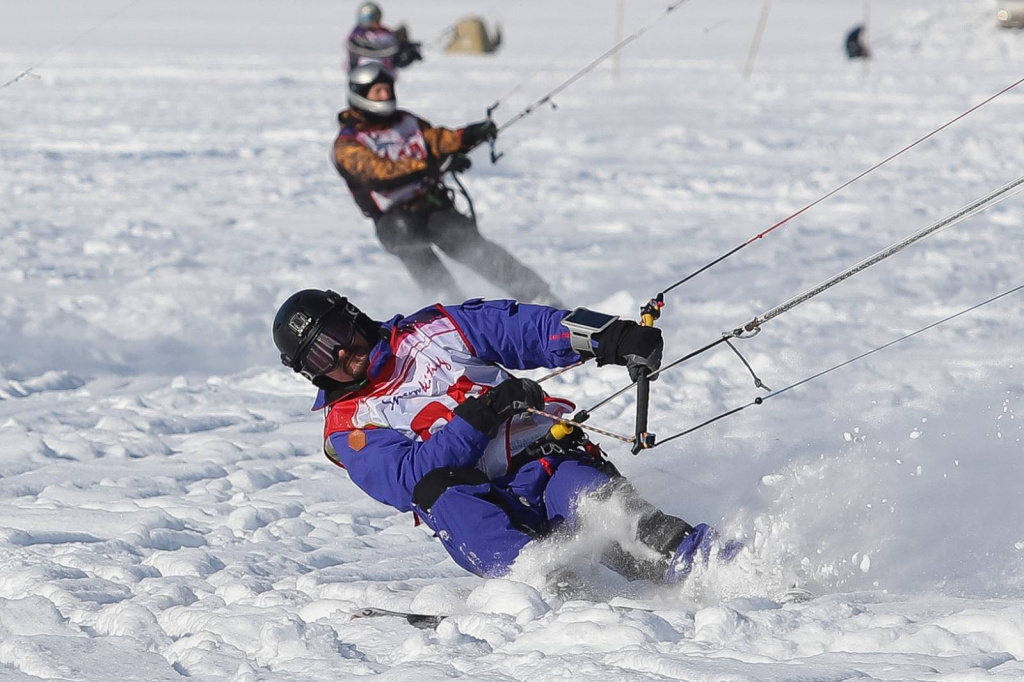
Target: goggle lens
{"points": [[322, 356]]}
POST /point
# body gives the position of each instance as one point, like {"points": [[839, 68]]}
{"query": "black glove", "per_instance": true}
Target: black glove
{"points": [[475, 133], [626, 343], [407, 54], [455, 163], [512, 395], [508, 398]]}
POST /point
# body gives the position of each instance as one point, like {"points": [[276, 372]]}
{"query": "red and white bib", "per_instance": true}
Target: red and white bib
{"points": [[403, 140], [432, 371]]}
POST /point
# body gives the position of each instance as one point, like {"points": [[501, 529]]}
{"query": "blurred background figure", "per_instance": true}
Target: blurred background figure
{"points": [[856, 43], [371, 41]]}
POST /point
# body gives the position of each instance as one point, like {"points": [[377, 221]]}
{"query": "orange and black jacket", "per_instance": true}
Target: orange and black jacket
{"points": [[393, 163]]}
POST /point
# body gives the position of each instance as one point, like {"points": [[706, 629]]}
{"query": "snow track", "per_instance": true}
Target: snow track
{"points": [[165, 510]]}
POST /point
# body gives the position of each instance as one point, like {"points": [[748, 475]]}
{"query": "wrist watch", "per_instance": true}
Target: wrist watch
{"points": [[582, 325]]}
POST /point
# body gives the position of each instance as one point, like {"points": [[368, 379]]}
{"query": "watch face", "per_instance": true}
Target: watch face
{"points": [[588, 318]]}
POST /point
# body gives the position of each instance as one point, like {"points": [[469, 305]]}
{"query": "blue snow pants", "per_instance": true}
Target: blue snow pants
{"points": [[484, 526]]}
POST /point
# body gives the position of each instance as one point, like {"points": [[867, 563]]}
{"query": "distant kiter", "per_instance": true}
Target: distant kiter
{"points": [[393, 162], [856, 44]]}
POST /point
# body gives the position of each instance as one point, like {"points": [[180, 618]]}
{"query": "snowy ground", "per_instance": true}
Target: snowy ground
{"points": [[165, 510]]}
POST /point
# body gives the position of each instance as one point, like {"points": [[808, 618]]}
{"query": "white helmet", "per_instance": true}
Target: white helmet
{"points": [[364, 77]]}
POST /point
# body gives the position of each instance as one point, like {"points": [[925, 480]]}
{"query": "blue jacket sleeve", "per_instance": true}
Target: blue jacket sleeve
{"points": [[389, 465], [515, 335]]}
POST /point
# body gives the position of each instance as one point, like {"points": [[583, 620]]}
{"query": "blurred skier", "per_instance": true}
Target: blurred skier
{"points": [[423, 414], [392, 162], [371, 42]]}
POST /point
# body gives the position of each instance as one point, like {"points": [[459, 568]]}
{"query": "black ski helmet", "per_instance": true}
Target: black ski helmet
{"points": [[313, 325], [364, 77]]}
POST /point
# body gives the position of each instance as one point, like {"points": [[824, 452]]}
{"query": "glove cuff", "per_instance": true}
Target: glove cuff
{"points": [[480, 415]]}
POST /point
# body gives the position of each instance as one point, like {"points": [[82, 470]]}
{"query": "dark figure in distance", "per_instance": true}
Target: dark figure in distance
{"points": [[856, 46]]}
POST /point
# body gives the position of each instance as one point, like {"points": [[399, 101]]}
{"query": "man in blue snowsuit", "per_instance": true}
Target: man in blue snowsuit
{"points": [[424, 415]]}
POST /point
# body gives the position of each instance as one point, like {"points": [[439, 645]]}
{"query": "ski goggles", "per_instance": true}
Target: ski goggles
{"points": [[321, 339], [322, 355]]}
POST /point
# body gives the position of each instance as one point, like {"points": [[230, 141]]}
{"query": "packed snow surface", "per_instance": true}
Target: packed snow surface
{"points": [[165, 510]]}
